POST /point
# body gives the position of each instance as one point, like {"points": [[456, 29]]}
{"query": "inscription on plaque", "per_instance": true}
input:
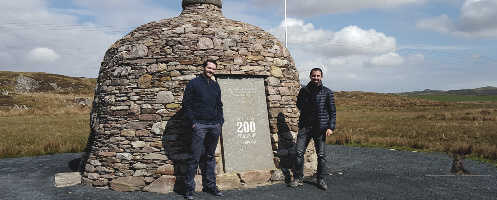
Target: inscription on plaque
{"points": [[245, 136]]}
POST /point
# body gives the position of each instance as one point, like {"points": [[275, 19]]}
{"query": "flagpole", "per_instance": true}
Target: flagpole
{"points": [[286, 29]]}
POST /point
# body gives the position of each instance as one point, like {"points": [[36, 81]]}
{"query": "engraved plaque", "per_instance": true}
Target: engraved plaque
{"points": [[245, 137]]}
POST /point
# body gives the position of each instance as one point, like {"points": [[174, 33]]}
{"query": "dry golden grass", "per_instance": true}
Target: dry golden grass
{"points": [[53, 123], [25, 136], [43, 104], [465, 128]]}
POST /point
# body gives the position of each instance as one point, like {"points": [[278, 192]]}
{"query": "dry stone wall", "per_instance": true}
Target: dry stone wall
{"points": [[139, 139]]}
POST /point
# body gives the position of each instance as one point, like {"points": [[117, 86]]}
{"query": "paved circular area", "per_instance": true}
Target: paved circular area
{"points": [[355, 173]]}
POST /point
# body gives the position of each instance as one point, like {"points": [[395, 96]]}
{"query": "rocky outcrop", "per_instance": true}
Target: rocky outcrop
{"points": [[25, 84]]}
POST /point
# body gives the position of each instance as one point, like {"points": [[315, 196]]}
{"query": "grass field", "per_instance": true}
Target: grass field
{"points": [[458, 98], [49, 123], [420, 125], [26, 136], [54, 125]]}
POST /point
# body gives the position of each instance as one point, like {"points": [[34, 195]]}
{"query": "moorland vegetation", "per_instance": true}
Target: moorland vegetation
{"points": [[55, 121]]}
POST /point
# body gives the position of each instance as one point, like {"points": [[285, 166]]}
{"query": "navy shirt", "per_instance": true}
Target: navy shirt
{"points": [[202, 101]]}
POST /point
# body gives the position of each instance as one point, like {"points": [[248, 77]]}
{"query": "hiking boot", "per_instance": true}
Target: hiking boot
{"points": [[214, 191], [189, 194], [296, 182], [322, 185]]}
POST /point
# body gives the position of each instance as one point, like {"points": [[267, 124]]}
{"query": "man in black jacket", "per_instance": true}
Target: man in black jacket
{"points": [[204, 110], [317, 120]]}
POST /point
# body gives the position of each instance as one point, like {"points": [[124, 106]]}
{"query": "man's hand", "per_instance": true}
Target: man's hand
{"points": [[329, 132]]}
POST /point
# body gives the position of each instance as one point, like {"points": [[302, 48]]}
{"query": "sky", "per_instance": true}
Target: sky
{"points": [[362, 45]]}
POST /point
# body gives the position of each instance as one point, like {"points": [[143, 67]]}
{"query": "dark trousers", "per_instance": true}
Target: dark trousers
{"points": [[208, 135], [303, 138]]}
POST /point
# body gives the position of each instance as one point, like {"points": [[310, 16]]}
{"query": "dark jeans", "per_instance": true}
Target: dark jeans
{"points": [[208, 135], [303, 138]]}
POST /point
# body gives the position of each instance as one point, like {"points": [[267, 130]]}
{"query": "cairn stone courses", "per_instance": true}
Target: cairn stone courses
{"points": [[138, 133]]}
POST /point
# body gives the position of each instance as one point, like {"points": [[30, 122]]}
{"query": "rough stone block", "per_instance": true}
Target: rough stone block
{"points": [[228, 181], [165, 184], [127, 184], [67, 179], [276, 71], [155, 156], [255, 177], [145, 81], [165, 97]]}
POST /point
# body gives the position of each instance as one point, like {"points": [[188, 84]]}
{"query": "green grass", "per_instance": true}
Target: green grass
{"points": [[457, 98]]}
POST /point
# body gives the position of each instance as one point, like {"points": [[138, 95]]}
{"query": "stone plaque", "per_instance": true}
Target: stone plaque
{"points": [[245, 138]]}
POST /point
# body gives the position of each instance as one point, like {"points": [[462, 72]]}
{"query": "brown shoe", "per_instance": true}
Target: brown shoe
{"points": [[296, 182]]}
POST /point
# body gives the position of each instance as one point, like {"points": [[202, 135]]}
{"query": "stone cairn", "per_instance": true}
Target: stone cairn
{"points": [[139, 138]]}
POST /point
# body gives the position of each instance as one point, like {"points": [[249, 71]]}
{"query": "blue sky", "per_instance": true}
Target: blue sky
{"points": [[362, 45]]}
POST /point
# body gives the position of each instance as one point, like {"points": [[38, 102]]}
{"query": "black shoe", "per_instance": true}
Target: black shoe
{"points": [[189, 195], [322, 185], [296, 182], [213, 191]]}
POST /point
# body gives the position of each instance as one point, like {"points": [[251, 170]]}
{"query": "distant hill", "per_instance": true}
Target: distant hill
{"points": [[35, 82], [488, 90]]}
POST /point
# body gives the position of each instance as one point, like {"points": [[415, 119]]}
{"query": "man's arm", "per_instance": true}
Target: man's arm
{"points": [[188, 103], [219, 105], [331, 111], [300, 99]]}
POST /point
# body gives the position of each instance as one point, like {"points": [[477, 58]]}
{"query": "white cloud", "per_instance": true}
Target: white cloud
{"points": [[476, 20], [301, 33], [353, 40], [349, 41], [386, 60], [42, 55], [29, 26]]}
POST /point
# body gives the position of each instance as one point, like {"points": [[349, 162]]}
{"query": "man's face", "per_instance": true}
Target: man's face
{"points": [[209, 69], [316, 77]]}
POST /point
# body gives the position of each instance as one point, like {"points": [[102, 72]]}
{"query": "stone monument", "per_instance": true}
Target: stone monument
{"points": [[139, 138]]}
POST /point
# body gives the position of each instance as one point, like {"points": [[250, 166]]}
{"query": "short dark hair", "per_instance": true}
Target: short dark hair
{"points": [[316, 69], [209, 61]]}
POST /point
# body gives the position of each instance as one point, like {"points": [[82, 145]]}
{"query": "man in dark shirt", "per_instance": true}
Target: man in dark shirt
{"points": [[204, 110], [317, 120]]}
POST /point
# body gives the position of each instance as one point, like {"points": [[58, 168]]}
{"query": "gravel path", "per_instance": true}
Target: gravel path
{"points": [[355, 173]]}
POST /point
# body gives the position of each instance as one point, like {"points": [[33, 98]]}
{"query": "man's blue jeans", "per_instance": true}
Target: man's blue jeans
{"points": [[303, 138], [208, 135]]}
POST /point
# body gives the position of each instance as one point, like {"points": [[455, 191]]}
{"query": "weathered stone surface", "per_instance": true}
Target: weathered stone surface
{"points": [[25, 84], [138, 144], [67, 179], [124, 156], [127, 184], [145, 81], [93, 176], [165, 184], [166, 169], [155, 156], [127, 133], [245, 113], [228, 181], [165, 97], [255, 177], [276, 72], [205, 43]]}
